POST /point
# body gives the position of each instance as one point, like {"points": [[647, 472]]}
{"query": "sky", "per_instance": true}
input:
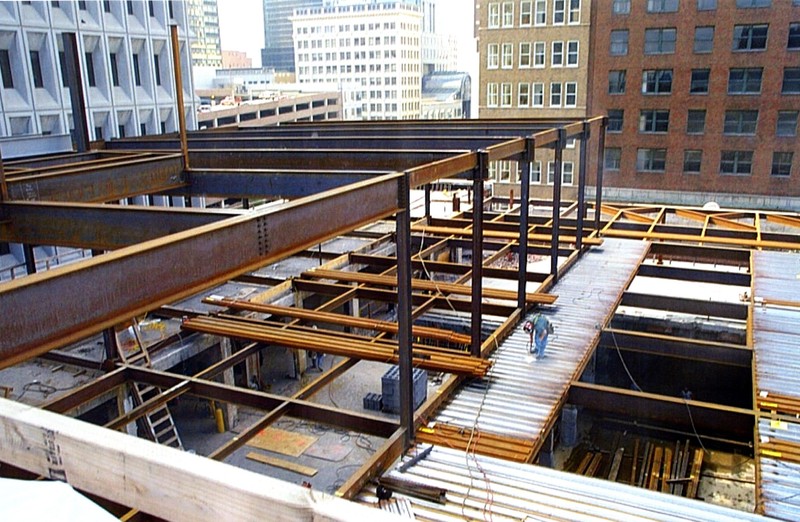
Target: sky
{"points": [[241, 27]]}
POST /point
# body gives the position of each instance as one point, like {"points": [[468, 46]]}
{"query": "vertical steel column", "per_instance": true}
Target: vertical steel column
{"points": [[598, 196], [176, 66], [559, 153], [428, 203], [3, 184], [110, 343], [76, 96], [30, 258], [582, 186], [478, 175], [524, 209], [403, 232]]}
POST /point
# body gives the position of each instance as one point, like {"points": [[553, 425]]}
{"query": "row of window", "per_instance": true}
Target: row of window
{"points": [[532, 95], [741, 80], [735, 122], [731, 162], [623, 7], [662, 40], [532, 55], [508, 172], [82, 6], [534, 13]]}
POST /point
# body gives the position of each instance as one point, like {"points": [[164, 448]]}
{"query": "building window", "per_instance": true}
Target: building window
{"points": [[744, 81], [612, 158], [657, 81], [567, 170], [170, 10], [557, 54], [704, 39], [696, 121], [525, 13], [615, 119], [524, 55], [508, 14], [621, 7], [619, 42], [539, 54], [558, 12], [750, 37], [98, 133], [82, 5], [736, 162], [540, 13], [494, 15], [574, 11], [90, 70], [572, 53], [62, 65], [505, 95], [651, 160], [130, 6], [107, 6], [787, 123], [662, 6], [492, 94], [5, 69], [151, 8], [137, 77], [507, 56], [143, 129], [794, 37], [706, 5], [524, 94], [493, 56], [570, 94], [114, 69], [692, 159], [616, 82], [538, 95], [157, 69], [749, 4], [536, 172], [791, 80], [699, 81], [555, 94], [36, 69], [782, 163], [740, 122], [660, 40], [653, 120]]}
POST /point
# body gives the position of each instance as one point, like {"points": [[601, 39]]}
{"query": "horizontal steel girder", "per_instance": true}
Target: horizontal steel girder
{"points": [[695, 274], [693, 349], [709, 419], [75, 301], [101, 183], [686, 306], [101, 227], [243, 183]]}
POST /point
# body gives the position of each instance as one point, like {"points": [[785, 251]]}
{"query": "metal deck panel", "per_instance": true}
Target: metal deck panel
{"points": [[522, 395], [485, 488]]}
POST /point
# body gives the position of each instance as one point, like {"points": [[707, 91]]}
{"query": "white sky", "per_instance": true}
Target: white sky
{"points": [[241, 26]]}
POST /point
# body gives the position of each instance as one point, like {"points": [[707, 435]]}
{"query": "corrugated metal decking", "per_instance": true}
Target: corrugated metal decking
{"points": [[775, 340]]}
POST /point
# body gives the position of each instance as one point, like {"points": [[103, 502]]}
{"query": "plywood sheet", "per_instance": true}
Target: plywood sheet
{"points": [[282, 441]]}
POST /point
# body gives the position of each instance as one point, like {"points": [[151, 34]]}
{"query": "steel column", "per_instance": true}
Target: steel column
{"points": [[598, 196], [582, 186], [559, 153], [524, 218], [76, 95], [176, 66], [30, 258], [403, 224], [3, 185], [110, 343], [478, 175], [427, 202]]}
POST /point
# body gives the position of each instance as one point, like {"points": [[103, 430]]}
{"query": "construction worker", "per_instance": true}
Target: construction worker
{"points": [[539, 328]]}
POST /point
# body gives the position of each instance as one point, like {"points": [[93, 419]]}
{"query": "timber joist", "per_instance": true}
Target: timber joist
{"points": [[423, 284], [477, 441], [427, 358], [778, 404]]}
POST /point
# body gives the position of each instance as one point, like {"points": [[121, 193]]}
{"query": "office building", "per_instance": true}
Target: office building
{"points": [[278, 52], [204, 24]]}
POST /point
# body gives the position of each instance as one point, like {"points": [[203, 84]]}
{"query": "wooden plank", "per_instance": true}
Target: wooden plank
{"points": [[615, 464], [665, 484], [635, 460], [655, 469], [587, 459], [596, 461], [160, 481], [281, 463], [694, 478]]}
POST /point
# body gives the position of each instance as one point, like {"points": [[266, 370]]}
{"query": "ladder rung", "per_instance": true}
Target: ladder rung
{"points": [[168, 429], [169, 441]]}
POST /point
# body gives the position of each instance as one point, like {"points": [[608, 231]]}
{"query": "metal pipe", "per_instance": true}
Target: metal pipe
{"points": [[582, 187], [598, 196], [403, 230], [176, 65], [559, 153], [478, 175], [524, 209], [76, 95]]}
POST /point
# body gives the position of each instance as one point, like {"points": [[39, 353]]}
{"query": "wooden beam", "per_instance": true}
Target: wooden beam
{"points": [[155, 479]]}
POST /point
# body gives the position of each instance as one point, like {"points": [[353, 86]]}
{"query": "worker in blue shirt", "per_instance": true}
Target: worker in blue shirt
{"points": [[539, 328]]}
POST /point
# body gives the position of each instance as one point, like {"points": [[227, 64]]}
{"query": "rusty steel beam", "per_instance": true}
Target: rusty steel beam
{"points": [[181, 108], [134, 280], [671, 346], [95, 226], [101, 183], [695, 274], [686, 306]]}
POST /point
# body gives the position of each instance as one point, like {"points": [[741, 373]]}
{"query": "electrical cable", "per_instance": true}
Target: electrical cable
{"points": [[619, 353]]}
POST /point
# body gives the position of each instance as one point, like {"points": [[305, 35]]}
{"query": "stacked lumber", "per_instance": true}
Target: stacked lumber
{"points": [[675, 470], [778, 404], [477, 441]]}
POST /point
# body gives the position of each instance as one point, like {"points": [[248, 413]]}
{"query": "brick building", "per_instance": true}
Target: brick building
{"points": [[702, 96]]}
